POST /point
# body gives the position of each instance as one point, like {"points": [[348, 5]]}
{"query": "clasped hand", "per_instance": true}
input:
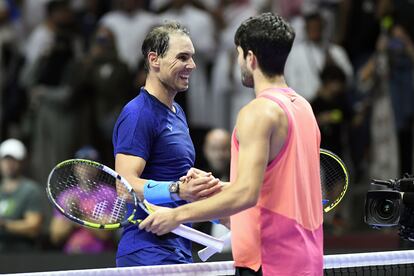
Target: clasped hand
{"points": [[196, 185]]}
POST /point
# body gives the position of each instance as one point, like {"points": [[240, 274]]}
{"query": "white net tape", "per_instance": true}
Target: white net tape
{"points": [[226, 268]]}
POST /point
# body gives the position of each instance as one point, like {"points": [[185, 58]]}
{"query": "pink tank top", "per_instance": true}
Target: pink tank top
{"points": [[283, 232]]}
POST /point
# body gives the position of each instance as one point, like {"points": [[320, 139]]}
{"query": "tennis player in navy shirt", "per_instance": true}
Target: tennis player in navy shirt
{"points": [[153, 148]]}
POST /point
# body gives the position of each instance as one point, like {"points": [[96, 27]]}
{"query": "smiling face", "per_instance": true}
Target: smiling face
{"points": [[177, 64]]}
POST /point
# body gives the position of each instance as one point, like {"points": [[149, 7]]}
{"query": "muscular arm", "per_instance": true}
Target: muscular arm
{"points": [[254, 152], [131, 168], [253, 158]]}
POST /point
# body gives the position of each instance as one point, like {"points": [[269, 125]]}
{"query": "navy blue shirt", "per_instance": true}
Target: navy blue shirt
{"points": [[149, 129]]}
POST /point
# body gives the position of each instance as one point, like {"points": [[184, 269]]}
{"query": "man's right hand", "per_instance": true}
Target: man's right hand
{"points": [[198, 184]]}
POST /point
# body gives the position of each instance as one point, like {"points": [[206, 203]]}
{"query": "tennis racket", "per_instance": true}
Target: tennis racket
{"points": [[95, 196], [334, 179], [334, 182]]}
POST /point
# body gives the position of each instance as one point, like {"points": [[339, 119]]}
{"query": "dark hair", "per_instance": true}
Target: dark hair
{"points": [[157, 40], [270, 38], [332, 73], [56, 5], [313, 16]]}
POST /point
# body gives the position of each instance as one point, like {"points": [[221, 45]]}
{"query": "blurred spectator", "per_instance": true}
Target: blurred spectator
{"points": [[328, 9], [227, 16], [75, 239], [332, 109], [334, 114], [20, 202], [12, 98], [130, 23], [217, 150], [200, 24], [373, 78], [33, 13], [53, 114], [87, 19], [217, 153], [359, 27], [287, 8], [399, 49], [403, 11], [228, 93], [105, 83], [309, 57], [59, 18]]}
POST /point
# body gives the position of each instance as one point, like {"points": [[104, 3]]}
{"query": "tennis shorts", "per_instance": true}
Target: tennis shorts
{"points": [[245, 271], [154, 256]]}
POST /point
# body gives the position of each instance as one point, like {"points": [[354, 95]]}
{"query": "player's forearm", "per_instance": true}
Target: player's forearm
{"points": [[137, 184], [230, 201], [131, 167]]}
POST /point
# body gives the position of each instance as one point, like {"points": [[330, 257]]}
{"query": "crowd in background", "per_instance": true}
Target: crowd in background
{"points": [[68, 67]]}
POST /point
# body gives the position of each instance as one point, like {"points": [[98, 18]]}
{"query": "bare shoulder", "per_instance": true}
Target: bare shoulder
{"points": [[261, 111]]}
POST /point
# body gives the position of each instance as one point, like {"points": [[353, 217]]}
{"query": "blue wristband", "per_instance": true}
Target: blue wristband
{"points": [[157, 192]]}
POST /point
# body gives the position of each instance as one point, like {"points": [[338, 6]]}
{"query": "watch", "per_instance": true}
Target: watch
{"points": [[174, 190]]}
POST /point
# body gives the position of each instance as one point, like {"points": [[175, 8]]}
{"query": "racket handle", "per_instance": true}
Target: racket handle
{"points": [[199, 237], [206, 253]]}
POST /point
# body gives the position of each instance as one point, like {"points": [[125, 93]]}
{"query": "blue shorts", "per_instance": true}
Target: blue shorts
{"points": [[154, 256]]}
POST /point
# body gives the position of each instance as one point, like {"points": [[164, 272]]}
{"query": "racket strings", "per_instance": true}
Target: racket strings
{"points": [[86, 192], [333, 178]]}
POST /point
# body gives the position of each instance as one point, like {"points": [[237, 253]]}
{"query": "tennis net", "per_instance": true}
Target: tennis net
{"points": [[374, 263]]}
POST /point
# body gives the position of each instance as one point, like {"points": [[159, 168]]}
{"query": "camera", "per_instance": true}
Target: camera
{"points": [[383, 208], [392, 206]]}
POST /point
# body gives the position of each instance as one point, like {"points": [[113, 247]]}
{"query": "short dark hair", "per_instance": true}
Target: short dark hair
{"points": [[157, 40], [313, 16], [270, 38]]}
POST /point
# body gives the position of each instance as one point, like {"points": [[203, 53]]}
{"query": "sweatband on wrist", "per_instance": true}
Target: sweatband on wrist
{"points": [[157, 192]]}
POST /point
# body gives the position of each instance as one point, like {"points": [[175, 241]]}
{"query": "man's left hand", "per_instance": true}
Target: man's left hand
{"points": [[160, 222]]}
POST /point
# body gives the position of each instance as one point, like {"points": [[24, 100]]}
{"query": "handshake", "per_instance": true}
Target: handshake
{"points": [[197, 185]]}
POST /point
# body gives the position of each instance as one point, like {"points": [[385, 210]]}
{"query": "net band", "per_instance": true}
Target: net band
{"points": [[344, 263], [368, 259]]}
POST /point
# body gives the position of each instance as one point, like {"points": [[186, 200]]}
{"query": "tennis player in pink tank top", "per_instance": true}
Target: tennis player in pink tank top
{"points": [[274, 197]]}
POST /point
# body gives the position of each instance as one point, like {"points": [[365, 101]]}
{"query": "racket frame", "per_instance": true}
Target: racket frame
{"points": [[112, 226], [331, 205], [205, 253], [182, 230]]}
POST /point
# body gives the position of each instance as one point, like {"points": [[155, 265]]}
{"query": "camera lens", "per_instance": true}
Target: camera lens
{"points": [[385, 209]]}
